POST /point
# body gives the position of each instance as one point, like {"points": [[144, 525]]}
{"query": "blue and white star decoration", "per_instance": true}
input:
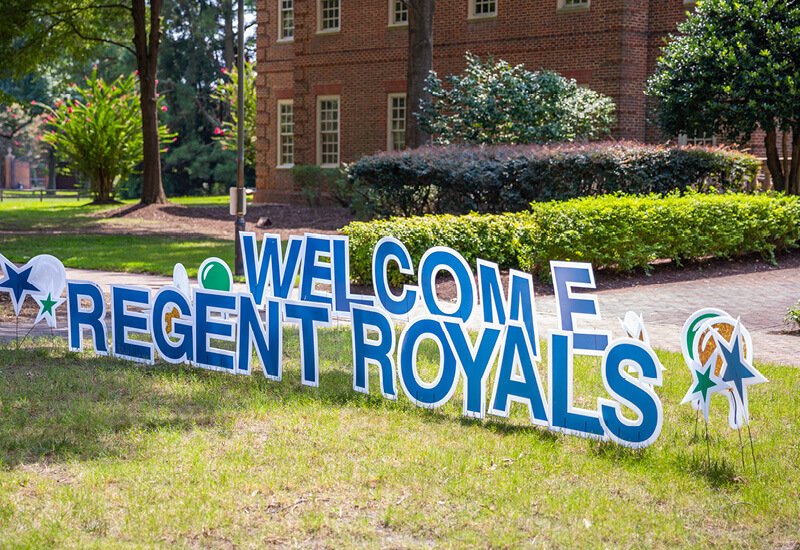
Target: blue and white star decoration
{"points": [[739, 372], [43, 278], [15, 282], [719, 363]]}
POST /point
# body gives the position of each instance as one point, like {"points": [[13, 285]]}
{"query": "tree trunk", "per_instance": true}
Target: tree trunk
{"points": [[228, 38], [51, 168], [147, 65], [773, 162], [100, 183], [785, 161], [794, 174], [420, 64]]}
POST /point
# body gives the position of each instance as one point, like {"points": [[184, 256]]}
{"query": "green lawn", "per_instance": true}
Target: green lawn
{"points": [[97, 452], [31, 214], [135, 254], [130, 253]]}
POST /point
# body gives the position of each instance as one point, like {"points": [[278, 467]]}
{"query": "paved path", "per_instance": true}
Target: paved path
{"points": [[760, 299]]}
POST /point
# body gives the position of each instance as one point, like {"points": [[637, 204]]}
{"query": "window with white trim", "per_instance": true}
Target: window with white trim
{"points": [[482, 8], [398, 13], [327, 15], [396, 122], [286, 20], [697, 140], [285, 133], [328, 131], [572, 4]]}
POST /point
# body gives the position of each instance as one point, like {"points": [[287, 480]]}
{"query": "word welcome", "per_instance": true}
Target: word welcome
{"points": [[283, 287]]}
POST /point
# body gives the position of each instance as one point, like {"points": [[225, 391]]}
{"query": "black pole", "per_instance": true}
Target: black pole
{"points": [[240, 196]]}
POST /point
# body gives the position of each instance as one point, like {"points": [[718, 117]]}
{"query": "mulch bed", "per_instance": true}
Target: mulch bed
{"points": [[216, 221]]}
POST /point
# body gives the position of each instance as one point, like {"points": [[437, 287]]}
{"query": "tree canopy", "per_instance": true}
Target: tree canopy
{"points": [[57, 34], [179, 59], [735, 67]]}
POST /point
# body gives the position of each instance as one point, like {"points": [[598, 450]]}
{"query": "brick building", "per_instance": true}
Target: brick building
{"points": [[332, 73]]}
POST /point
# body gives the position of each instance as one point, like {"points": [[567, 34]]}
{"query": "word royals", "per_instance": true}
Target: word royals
{"points": [[283, 287]]}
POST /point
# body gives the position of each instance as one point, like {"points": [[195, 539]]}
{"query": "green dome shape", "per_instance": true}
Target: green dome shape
{"points": [[214, 274]]}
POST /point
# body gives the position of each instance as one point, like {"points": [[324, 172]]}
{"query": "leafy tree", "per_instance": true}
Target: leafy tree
{"points": [[199, 41], [38, 31], [54, 35], [494, 102], [21, 119], [734, 67], [227, 94], [19, 130], [99, 132]]}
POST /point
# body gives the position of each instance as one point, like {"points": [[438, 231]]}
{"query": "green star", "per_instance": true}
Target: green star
{"points": [[704, 383], [47, 304]]}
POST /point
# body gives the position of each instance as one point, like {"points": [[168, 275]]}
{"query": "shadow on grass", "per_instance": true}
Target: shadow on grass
{"points": [[718, 472], [56, 405]]}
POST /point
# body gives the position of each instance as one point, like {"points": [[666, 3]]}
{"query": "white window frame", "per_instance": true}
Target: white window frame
{"points": [[281, 134], [281, 29], [684, 140], [393, 12], [471, 14], [338, 27], [563, 6], [338, 100], [389, 119]]}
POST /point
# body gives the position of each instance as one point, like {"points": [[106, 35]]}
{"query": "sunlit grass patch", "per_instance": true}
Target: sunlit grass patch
{"points": [[134, 254]]}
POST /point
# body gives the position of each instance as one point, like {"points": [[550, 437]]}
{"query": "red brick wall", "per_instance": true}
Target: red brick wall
{"points": [[664, 17], [611, 47]]}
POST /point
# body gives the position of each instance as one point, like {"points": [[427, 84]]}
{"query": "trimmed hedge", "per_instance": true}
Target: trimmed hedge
{"points": [[617, 232], [461, 179]]}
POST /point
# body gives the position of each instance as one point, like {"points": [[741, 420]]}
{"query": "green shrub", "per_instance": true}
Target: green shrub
{"points": [[793, 316], [628, 232], [436, 180], [97, 130], [494, 102], [616, 232], [313, 181], [473, 235]]}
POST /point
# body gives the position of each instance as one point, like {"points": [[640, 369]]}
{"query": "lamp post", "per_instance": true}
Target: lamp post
{"points": [[240, 196]]}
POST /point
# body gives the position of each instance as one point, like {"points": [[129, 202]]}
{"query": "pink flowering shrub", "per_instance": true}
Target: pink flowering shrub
{"points": [[226, 93], [99, 134]]}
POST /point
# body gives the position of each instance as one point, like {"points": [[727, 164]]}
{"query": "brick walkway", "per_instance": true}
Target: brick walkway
{"points": [[760, 299]]}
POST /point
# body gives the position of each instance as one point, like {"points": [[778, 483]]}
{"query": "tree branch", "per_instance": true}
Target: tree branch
{"points": [[46, 13], [204, 112], [97, 38], [17, 130]]}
